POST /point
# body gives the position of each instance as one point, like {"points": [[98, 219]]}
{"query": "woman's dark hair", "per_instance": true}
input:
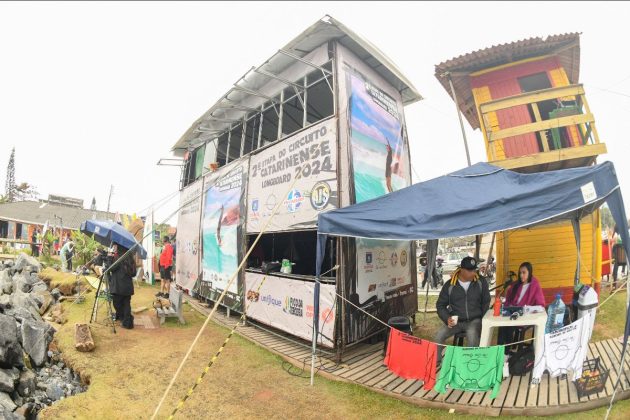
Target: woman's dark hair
{"points": [[530, 271]]}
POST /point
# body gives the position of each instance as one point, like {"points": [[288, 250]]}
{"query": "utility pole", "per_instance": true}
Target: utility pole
{"points": [[111, 191], [459, 115]]}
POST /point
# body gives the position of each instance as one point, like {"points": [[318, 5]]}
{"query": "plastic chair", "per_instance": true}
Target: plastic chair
{"points": [[458, 339]]}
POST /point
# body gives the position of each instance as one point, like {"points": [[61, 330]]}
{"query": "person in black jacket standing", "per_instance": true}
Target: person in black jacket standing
{"points": [[121, 285], [462, 303]]}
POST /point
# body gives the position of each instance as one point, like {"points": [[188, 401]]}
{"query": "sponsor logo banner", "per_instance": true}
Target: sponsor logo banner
{"points": [[287, 304], [311, 157], [382, 268], [188, 220]]}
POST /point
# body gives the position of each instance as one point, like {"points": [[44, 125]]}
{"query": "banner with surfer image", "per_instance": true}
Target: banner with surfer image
{"points": [[378, 151], [223, 207]]}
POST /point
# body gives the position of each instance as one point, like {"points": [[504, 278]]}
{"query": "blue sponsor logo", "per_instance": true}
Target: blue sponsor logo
{"points": [[294, 201], [270, 300]]}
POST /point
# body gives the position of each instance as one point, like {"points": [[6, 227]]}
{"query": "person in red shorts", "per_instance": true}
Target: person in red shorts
{"points": [[166, 266]]}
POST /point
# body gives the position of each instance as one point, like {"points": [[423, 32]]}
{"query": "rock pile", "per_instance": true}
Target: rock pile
{"points": [[31, 376]]}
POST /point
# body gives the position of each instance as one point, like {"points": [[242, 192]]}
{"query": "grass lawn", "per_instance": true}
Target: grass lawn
{"points": [[129, 371]]}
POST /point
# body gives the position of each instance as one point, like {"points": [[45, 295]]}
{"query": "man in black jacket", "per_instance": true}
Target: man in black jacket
{"points": [[121, 285], [462, 303]]}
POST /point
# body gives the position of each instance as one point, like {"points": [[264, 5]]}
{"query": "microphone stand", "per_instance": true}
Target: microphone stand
{"points": [[506, 283]]}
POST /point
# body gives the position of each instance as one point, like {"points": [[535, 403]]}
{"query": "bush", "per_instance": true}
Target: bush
{"points": [[84, 247]]}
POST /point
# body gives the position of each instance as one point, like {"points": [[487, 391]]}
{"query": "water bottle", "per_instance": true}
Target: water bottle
{"points": [[555, 315]]}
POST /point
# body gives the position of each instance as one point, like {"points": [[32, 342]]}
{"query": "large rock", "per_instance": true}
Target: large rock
{"points": [[8, 377], [56, 294], [26, 383], [5, 302], [35, 339], [24, 300], [54, 391], [20, 314], [43, 300], [10, 350], [26, 263], [7, 402], [20, 283], [6, 284], [24, 411], [39, 286]]}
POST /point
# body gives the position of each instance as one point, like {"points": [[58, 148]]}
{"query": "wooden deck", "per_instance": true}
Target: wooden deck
{"points": [[363, 365]]}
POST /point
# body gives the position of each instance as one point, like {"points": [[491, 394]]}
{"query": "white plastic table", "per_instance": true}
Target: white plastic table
{"points": [[538, 320]]}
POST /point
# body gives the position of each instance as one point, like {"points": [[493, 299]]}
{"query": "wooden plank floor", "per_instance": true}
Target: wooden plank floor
{"points": [[363, 365]]}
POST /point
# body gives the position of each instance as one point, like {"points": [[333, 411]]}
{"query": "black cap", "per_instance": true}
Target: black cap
{"points": [[469, 263]]}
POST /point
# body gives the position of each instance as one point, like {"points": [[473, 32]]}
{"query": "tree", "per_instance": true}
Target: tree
{"points": [[20, 192], [25, 191], [9, 186]]}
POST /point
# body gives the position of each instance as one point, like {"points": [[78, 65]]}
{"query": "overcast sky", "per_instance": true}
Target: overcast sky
{"points": [[94, 94]]}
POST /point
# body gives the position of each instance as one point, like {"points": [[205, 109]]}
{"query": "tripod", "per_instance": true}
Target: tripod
{"points": [[103, 294]]}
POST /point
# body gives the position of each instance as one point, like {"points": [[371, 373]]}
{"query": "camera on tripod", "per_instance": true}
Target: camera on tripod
{"points": [[104, 258]]}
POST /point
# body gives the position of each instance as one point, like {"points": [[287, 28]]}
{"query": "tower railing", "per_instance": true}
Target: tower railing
{"points": [[566, 122]]}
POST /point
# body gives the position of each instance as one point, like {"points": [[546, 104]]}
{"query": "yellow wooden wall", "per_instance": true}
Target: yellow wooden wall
{"points": [[482, 95], [551, 250]]}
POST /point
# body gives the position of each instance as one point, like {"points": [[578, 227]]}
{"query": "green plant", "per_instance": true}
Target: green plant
{"points": [[84, 247], [47, 242]]}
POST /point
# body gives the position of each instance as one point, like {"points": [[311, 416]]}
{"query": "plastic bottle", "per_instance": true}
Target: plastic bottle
{"points": [[555, 315], [497, 306]]}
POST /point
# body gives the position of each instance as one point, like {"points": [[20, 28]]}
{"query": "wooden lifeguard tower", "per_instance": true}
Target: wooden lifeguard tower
{"points": [[526, 99]]}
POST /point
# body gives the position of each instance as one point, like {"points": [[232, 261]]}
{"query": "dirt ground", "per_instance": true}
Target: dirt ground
{"points": [[129, 371]]}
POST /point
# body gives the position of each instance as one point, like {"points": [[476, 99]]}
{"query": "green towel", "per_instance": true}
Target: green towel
{"points": [[472, 369]]}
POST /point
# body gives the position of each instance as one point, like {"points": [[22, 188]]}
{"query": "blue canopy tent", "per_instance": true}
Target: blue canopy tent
{"points": [[476, 200]]}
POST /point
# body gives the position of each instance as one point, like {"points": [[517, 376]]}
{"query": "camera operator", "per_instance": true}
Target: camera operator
{"points": [[121, 284]]}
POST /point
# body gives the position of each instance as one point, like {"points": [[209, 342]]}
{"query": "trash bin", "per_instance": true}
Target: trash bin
{"points": [[401, 323]]}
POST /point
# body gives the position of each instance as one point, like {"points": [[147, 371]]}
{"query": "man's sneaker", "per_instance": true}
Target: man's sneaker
{"points": [[159, 294], [165, 296]]}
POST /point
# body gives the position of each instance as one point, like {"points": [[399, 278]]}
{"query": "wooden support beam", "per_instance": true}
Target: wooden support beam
{"points": [[541, 125], [587, 110], [552, 156], [543, 133], [531, 97]]}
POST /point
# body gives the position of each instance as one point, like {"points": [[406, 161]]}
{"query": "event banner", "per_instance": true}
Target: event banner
{"points": [[188, 220], [379, 155], [287, 304], [300, 172], [383, 269], [148, 243], [222, 221]]}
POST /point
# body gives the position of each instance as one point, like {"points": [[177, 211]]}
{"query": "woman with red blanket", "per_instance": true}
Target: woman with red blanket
{"points": [[526, 292]]}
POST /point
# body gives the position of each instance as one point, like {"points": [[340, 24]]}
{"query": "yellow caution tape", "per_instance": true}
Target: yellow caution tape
{"points": [[181, 402]]}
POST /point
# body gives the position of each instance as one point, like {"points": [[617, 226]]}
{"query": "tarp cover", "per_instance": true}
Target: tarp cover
{"points": [[480, 199]]}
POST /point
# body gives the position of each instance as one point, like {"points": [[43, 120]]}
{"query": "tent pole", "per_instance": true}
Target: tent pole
{"points": [[578, 240], [491, 248], [477, 246], [459, 115], [315, 328]]}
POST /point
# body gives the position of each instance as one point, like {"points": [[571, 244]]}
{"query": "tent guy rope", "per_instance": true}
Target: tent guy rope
{"points": [[218, 302]]}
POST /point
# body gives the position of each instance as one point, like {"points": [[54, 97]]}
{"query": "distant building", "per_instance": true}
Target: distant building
{"points": [[18, 219]]}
